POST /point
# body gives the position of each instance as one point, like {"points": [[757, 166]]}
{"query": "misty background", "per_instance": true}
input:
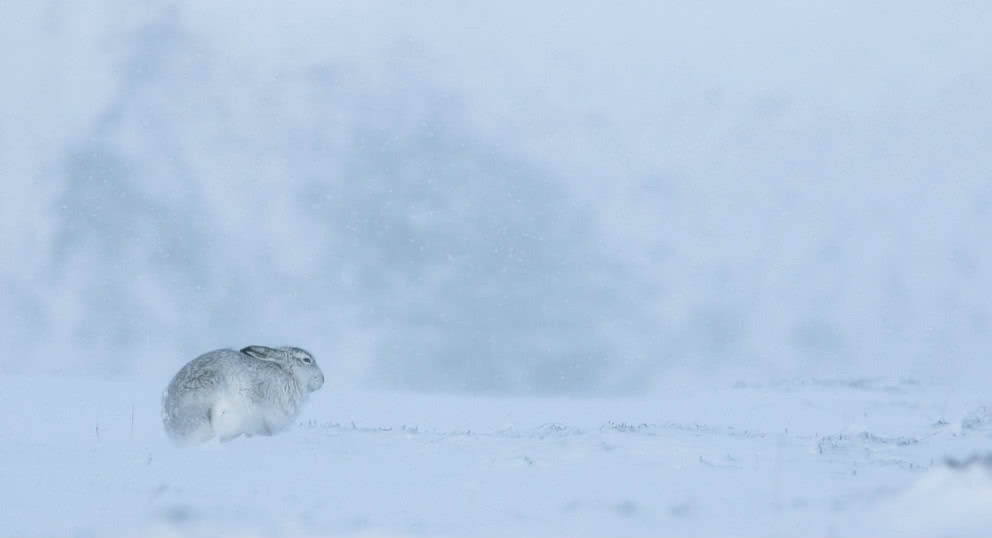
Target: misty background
{"points": [[562, 197]]}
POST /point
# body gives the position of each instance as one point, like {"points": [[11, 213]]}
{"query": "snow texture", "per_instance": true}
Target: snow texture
{"points": [[571, 269], [811, 457]]}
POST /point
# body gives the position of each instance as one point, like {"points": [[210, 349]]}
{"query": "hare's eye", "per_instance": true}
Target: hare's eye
{"points": [[307, 360]]}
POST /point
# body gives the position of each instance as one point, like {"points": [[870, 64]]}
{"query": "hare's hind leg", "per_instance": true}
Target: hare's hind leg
{"points": [[189, 429], [226, 421], [226, 438], [186, 421], [200, 432]]}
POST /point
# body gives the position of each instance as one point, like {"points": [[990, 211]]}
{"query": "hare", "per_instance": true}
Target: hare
{"points": [[226, 393]]}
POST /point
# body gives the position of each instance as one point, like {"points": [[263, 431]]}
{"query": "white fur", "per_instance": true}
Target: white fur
{"points": [[226, 393]]}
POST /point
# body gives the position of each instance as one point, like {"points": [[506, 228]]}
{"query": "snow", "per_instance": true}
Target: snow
{"points": [[951, 500], [653, 269], [818, 457]]}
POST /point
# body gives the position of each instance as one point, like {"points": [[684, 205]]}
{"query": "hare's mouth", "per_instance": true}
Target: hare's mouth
{"points": [[316, 382]]}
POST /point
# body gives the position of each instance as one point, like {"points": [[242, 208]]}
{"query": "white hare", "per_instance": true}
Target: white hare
{"points": [[226, 393]]}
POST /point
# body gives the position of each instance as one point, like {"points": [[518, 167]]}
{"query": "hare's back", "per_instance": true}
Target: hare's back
{"points": [[210, 370]]}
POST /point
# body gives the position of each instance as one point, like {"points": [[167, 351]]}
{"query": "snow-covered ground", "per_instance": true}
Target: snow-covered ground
{"points": [[819, 457], [513, 198]]}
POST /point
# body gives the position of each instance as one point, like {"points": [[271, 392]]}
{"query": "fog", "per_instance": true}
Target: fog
{"points": [[510, 198]]}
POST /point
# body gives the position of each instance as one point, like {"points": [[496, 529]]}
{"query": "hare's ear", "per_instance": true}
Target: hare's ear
{"points": [[259, 352]]}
